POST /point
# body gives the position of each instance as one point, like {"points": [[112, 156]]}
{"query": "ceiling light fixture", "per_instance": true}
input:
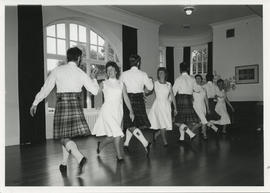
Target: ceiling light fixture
{"points": [[189, 10]]}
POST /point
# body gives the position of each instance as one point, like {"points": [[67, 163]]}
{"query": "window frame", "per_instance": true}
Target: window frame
{"points": [[87, 58], [198, 47]]}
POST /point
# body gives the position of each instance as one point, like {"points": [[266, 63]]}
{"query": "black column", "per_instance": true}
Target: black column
{"points": [[170, 64], [130, 44], [186, 56], [31, 72], [210, 58]]}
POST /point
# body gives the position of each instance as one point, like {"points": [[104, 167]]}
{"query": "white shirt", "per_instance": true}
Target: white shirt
{"points": [[184, 84], [211, 89], [67, 78], [135, 80]]}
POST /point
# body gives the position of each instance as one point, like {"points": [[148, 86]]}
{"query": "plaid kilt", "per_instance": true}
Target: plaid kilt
{"points": [[69, 120], [213, 114], [140, 116], [186, 113]]}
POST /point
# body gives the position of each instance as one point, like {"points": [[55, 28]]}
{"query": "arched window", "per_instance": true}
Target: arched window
{"points": [[199, 57], [96, 51]]}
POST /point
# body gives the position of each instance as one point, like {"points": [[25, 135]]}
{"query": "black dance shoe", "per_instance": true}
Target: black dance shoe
{"points": [[81, 165], [147, 148], [98, 145], [63, 170]]}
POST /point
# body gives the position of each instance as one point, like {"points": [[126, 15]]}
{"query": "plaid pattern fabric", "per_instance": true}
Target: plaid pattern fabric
{"points": [[140, 116], [69, 120], [186, 113], [213, 114]]}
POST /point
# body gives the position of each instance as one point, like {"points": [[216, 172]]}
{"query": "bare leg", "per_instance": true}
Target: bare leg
{"points": [[204, 131], [224, 129], [163, 135], [116, 141], [105, 142], [129, 132], [157, 134]]}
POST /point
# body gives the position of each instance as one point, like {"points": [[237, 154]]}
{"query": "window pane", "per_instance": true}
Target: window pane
{"points": [[72, 44], [51, 30], [61, 47], [116, 58], [51, 45], [51, 64], [93, 38], [194, 68], [73, 32], [61, 31], [101, 53], [82, 34], [199, 68], [199, 56], [93, 52], [204, 67], [83, 49], [101, 41]]}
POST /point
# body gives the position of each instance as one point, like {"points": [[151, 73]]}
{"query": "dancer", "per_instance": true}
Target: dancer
{"points": [[69, 120], [221, 108], [135, 80], [186, 117], [111, 113], [160, 115], [200, 105], [211, 89]]}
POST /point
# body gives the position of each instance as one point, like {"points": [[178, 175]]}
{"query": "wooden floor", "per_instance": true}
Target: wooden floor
{"points": [[232, 160]]}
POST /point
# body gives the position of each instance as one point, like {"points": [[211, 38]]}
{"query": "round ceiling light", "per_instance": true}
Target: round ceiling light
{"points": [[189, 10]]}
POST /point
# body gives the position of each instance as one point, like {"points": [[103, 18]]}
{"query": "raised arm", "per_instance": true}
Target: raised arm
{"points": [[127, 101], [90, 84], [148, 82]]}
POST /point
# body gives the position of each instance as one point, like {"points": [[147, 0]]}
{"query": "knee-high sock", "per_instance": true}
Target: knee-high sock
{"points": [[72, 147], [139, 135], [128, 137], [65, 155], [212, 126], [182, 132], [187, 130]]}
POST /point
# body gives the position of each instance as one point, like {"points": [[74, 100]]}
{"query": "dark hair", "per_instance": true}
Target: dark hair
{"points": [[134, 59], [73, 54], [219, 81], [209, 77], [184, 67], [198, 75], [162, 69], [115, 66]]}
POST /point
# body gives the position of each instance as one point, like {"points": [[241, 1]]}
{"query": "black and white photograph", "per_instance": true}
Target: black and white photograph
{"points": [[144, 96]]}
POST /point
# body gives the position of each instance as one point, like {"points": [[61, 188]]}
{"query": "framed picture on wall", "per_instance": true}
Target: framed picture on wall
{"points": [[247, 74]]}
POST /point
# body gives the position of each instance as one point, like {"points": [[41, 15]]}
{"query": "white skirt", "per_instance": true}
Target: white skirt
{"points": [[160, 115]]}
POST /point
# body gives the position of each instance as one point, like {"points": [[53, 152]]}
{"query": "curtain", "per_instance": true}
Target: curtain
{"points": [[30, 72], [170, 64]]}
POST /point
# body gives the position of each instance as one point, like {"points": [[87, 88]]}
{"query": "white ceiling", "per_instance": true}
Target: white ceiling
{"points": [[173, 18]]}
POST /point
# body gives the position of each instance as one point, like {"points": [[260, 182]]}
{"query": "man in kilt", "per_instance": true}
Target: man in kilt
{"points": [[69, 120], [135, 80], [186, 117]]}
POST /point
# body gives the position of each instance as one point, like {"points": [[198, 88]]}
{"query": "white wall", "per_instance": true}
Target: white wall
{"points": [[12, 133], [244, 49], [179, 43]]}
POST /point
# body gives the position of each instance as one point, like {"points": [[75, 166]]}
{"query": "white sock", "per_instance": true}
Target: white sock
{"points": [[182, 133], [128, 137], [65, 156], [72, 147], [139, 135], [212, 126], [190, 133]]}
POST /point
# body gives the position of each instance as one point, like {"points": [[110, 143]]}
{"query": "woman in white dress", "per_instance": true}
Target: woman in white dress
{"points": [[221, 108], [160, 115], [111, 113], [201, 106]]}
